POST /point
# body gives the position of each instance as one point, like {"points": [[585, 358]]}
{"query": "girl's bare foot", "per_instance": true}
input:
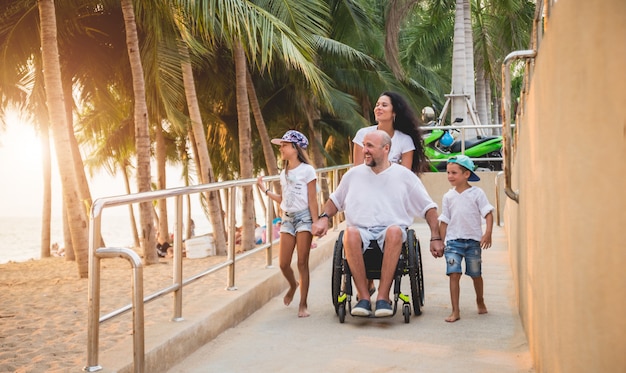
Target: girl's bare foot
{"points": [[481, 307], [303, 312], [454, 316], [289, 296]]}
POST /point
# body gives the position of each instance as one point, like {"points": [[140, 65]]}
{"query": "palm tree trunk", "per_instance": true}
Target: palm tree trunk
{"points": [[481, 96], [469, 64], [67, 236], [268, 152], [76, 213], [46, 208], [245, 148], [396, 11], [161, 184], [458, 107], [469, 50], [131, 210], [205, 168], [142, 134]]}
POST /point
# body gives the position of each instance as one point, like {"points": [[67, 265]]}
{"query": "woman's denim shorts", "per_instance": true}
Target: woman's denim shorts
{"points": [[294, 222], [456, 250]]}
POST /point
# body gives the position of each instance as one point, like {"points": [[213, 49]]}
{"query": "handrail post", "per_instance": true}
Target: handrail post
{"points": [[269, 231], [93, 292], [506, 121], [498, 203], [177, 277], [138, 313], [232, 197], [137, 289], [335, 183]]}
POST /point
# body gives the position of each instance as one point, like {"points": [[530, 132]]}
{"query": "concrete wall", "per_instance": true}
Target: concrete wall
{"points": [[567, 234]]}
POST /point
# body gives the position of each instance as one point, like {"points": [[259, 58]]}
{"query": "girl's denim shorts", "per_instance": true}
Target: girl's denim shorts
{"points": [[294, 222], [456, 250]]}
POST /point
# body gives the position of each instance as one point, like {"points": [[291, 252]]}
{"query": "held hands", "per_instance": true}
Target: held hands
{"points": [[436, 248], [485, 241], [320, 227]]}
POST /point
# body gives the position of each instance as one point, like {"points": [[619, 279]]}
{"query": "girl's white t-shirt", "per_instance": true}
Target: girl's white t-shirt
{"points": [[400, 142], [294, 186]]}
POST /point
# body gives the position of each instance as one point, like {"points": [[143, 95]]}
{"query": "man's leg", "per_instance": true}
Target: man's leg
{"points": [[353, 246], [393, 246]]}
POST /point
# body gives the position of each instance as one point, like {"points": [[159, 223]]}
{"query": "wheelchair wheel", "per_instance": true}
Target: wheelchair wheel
{"points": [[406, 311], [337, 275], [341, 312], [420, 272], [415, 273]]}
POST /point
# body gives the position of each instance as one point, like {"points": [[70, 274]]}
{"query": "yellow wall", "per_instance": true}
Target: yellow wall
{"points": [[567, 234]]}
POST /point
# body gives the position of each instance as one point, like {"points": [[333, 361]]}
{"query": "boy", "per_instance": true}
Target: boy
{"points": [[460, 226]]}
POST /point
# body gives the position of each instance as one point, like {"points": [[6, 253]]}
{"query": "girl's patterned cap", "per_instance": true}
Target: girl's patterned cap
{"points": [[293, 136]]}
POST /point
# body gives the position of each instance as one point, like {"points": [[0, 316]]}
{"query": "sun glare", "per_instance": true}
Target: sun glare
{"points": [[19, 143]]}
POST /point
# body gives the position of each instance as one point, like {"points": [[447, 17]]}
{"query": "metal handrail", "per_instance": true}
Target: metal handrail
{"points": [[97, 253], [542, 13], [506, 121]]}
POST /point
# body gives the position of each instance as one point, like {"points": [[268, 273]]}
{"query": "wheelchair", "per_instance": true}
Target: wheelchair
{"points": [[409, 263]]}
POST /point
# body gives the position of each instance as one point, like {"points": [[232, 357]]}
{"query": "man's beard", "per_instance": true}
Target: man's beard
{"points": [[371, 163]]}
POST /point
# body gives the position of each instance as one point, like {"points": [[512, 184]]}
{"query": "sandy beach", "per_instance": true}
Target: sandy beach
{"points": [[43, 308]]}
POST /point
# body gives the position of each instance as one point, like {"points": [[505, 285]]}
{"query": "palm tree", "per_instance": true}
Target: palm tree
{"points": [[76, 213], [255, 35], [198, 137], [21, 86], [142, 133], [397, 10]]}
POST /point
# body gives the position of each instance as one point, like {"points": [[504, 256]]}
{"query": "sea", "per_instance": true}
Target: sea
{"points": [[20, 237]]}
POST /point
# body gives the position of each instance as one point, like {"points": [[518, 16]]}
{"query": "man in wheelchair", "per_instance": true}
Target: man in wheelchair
{"points": [[380, 200]]}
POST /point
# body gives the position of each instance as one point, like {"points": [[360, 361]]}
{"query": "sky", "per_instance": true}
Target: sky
{"points": [[21, 190]]}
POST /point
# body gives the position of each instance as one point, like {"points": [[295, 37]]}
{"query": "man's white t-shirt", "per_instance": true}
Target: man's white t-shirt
{"points": [[400, 142], [393, 197], [294, 186], [463, 212]]}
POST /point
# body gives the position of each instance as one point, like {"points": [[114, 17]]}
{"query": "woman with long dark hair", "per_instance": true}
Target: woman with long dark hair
{"points": [[394, 116]]}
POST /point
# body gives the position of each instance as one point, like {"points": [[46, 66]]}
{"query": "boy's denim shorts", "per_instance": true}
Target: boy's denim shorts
{"points": [[456, 250], [294, 222]]}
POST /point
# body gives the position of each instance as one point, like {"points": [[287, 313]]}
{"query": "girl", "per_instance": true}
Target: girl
{"points": [[299, 205]]}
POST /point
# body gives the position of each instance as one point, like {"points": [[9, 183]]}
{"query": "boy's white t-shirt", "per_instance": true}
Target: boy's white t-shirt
{"points": [[463, 212], [294, 186], [400, 142]]}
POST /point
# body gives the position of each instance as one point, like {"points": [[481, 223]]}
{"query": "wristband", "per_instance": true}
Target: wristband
{"points": [[323, 215], [267, 190], [436, 239]]}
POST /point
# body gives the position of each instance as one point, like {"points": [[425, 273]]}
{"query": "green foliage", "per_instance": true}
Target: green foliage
{"points": [[328, 55]]}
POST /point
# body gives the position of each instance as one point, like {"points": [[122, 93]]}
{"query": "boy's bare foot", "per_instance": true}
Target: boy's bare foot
{"points": [[289, 296], [303, 312], [453, 317], [481, 307]]}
